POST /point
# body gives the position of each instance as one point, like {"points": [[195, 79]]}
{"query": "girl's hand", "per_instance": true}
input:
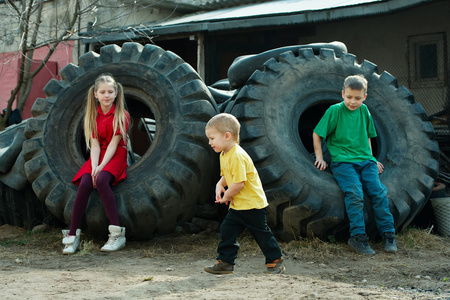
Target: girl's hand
{"points": [[95, 172], [94, 179]]}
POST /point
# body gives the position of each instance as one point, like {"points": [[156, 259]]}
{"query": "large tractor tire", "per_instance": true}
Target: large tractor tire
{"points": [[12, 172], [244, 66], [174, 168], [11, 140], [22, 208], [19, 206], [278, 109]]}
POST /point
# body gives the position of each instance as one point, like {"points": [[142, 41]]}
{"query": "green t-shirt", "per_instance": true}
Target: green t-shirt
{"points": [[347, 133]]}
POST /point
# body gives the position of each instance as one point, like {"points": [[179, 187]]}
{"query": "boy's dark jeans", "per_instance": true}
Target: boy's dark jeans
{"points": [[255, 221], [353, 178]]}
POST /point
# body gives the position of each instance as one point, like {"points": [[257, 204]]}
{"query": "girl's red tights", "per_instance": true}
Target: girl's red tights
{"points": [[85, 188]]}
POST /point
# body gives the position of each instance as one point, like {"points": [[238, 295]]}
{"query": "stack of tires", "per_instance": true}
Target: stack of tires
{"points": [[173, 170], [19, 206], [279, 106], [278, 96]]}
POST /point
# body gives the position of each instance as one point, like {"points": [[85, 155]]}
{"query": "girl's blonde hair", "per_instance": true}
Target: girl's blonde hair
{"points": [[120, 119]]}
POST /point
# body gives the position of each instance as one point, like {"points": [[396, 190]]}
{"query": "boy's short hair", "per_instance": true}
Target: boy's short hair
{"points": [[225, 123], [356, 82]]}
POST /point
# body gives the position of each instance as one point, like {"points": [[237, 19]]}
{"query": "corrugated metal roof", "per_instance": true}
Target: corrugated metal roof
{"points": [[217, 4], [274, 13], [279, 13], [266, 9]]}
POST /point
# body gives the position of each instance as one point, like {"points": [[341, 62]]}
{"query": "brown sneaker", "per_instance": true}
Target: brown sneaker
{"points": [[220, 267], [276, 267]]}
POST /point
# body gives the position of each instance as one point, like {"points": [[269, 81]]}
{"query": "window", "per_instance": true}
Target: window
{"points": [[427, 65]]}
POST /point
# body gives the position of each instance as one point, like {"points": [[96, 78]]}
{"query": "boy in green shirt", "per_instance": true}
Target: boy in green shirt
{"points": [[244, 194], [347, 128]]}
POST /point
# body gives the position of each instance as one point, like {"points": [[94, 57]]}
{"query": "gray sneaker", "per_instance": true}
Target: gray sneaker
{"points": [[221, 267], [275, 267], [360, 243], [390, 245]]}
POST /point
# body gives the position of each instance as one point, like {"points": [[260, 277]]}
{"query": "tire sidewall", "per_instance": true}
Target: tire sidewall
{"points": [[165, 184], [286, 91], [66, 117]]}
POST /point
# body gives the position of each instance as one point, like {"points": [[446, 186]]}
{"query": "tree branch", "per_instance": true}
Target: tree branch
{"points": [[62, 37]]}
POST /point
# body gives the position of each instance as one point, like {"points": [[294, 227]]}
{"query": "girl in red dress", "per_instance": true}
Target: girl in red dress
{"points": [[105, 129]]}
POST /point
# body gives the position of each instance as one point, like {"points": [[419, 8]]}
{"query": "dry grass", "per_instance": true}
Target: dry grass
{"points": [[417, 239], [313, 249], [196, 245], [420, 253], [205, 244], [88, 247]]}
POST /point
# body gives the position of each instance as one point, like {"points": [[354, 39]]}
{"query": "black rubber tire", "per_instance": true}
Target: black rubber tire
{"points": [[438, 190], [22, 208], [16, 178], [173, 175], [12, 171], [11, 140], [19, 205], [425, 218], [244, 66], [279, 107], [221, 96], [222, 84]]}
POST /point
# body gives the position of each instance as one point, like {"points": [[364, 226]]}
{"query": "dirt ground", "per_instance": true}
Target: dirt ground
{"points": [[171, 267]]}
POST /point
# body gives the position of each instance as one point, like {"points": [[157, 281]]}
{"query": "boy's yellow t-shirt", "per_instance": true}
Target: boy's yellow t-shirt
{"points": [[237, 166]]}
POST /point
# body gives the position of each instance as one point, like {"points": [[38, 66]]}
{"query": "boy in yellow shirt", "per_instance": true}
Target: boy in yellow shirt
{"points": [[245, 196]]}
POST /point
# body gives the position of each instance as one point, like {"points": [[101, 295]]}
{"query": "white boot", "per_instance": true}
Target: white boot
{"points": [[71, 243], [116, 239]]}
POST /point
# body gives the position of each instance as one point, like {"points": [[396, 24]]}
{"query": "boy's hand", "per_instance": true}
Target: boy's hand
{"points": [[223, 200], [320, 164], [226, 197], [220, 190], [220, 193], [380, 167]]}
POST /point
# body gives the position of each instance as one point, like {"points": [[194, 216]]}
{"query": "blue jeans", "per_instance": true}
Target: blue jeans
{"points": [[352, 178]]}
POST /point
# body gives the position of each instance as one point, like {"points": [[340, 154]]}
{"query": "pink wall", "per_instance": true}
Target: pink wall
{"points": [[9, 64]]}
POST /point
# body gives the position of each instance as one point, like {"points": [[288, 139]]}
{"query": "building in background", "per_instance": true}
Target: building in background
{"points": [[407, 38], [109, 16]]}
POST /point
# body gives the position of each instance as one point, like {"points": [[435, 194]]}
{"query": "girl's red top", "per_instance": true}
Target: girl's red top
{"points": [[118, 163]]}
